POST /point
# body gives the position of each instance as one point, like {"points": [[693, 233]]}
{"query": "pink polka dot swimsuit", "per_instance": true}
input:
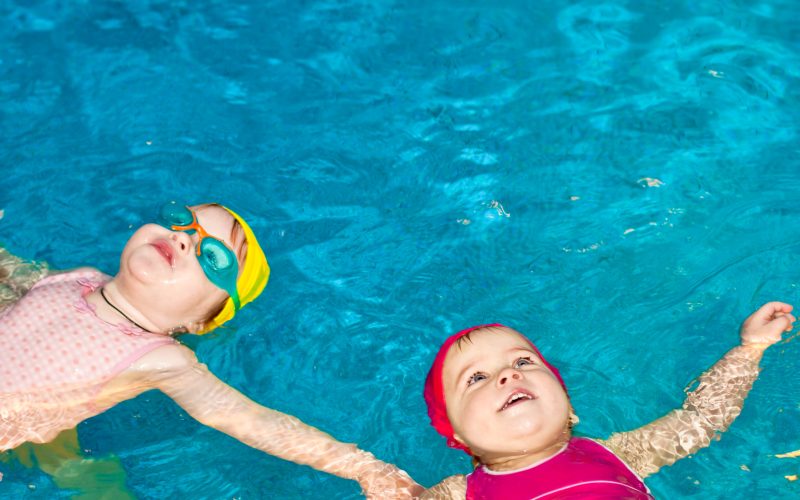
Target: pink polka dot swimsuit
{"points": [[56, 355]]}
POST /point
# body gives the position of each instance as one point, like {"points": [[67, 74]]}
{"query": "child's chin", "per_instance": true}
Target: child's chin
{"points": [[525, 432], [144, 269]]}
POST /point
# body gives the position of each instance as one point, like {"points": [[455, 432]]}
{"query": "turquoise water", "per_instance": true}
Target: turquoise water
{"points": [[618, 180]]}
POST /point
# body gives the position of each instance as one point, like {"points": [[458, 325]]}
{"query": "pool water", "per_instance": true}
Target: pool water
{"points": [[619, 180]]}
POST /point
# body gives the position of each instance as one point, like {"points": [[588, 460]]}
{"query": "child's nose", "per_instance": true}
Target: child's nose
{"points": [[182, 240], [508, 375]]}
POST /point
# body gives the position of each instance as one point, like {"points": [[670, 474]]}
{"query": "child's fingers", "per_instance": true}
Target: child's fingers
{"points": [[771, 309], [792, 319], [780, 324]]}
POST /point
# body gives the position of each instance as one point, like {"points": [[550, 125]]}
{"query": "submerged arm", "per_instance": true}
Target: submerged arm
{"points": [[451, 488], [707, 410], [216, 404], [17, 276], [712, 406]]}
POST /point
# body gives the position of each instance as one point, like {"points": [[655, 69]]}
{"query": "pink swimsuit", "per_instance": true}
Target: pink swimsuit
{"points": [[56, 355], [583, 469]]}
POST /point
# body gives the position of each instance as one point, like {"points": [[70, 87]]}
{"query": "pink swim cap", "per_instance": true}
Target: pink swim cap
{"points": [[434, 386]]}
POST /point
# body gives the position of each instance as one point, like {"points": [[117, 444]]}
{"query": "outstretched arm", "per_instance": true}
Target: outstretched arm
{"points": [[214, 403], [712, 406], [17, 276]]}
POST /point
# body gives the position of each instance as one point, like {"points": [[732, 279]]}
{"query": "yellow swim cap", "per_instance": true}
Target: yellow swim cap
{"points": [[251, 281]]}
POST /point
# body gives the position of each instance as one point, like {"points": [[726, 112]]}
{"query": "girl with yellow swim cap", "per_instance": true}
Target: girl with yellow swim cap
{"points": [[79, 342]]}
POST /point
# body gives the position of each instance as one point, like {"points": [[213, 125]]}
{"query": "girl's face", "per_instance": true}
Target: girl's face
{"points": [[162, 264], [501, 400]]}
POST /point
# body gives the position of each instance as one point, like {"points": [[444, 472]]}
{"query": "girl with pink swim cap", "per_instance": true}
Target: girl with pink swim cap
{"points": [[491, 393], [76, 343]]}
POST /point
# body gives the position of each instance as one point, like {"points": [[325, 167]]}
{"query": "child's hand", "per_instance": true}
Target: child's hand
{"points": [[765, 326], [383, 480]]}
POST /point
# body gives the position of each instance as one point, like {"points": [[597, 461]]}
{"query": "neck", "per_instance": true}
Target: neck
{"points": [[112, 305], [509, 462]]}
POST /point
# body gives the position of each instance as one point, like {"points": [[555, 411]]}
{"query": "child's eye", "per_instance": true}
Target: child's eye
{"points": [[475, 377], [523, 362]]}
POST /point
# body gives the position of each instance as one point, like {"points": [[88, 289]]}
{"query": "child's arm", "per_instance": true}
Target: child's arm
{"points": [[214, 403], [453, 487], [709, 409], [17, 276]]}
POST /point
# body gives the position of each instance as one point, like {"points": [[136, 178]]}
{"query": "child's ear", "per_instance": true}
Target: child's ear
{"points": [[573, 418], [179, 329]]}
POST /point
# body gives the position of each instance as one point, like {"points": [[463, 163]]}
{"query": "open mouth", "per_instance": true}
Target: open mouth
{"points": [[164, 248], [516, 398]]}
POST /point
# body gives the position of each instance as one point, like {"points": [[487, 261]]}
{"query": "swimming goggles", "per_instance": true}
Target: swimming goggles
{"points": [[215, 257]]}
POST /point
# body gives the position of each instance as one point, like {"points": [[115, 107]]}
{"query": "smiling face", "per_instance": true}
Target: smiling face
{"points": [[159, 270], [502, 401]]}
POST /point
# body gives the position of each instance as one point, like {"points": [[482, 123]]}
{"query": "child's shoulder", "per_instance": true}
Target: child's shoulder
{"points": [[172, 357], [85, 273], [77, 270]]}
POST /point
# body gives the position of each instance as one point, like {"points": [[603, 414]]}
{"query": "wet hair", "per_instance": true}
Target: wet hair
{"points": [[468, 336]]}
